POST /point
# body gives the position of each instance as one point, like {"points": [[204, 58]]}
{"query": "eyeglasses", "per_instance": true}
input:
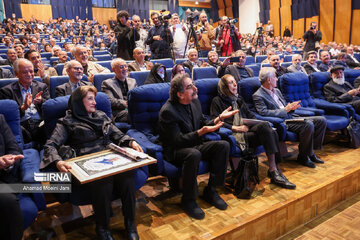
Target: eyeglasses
{"points": [[78, 68], [190, 86], [123, 66]]}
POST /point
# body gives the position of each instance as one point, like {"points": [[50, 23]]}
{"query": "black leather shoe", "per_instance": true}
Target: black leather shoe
{"points": [[278, 179], [192, 209], [213, 198], [131, 231], [306, 162], [103, 233], [316, 159]]}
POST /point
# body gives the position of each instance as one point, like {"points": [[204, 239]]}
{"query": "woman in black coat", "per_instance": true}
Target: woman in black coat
{"points": [[248, 136], [157, 74], [85, 130]]}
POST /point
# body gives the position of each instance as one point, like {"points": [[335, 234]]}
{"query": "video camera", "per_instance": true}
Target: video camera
{"points": [[191, 16], [164, 17]]}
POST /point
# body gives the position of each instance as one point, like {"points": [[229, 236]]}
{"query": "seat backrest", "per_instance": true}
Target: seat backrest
{"points": [[207, 90], [140, 76], [144, 104], [58, 80], [266, 65], [105, 57], [8, 67], [286, 64], [46, 55], [249, 60], [53, 109], [100, 77], [351, 75], [246, 88], [10, 110], [256, 69], [102, 52], [317, 80], [260, 58], [106, 64], [294, 87], [204, 72], [59, 68], [288, 58], [6, 81], [167, 62], [180, 60], [53, 59]]}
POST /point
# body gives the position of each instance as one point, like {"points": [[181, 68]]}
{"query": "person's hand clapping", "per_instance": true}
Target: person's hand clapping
{"points": [[207, 129], [8, 160], [293, 106], [38, 98]]}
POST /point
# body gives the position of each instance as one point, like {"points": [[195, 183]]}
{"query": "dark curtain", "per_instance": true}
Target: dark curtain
{"points": [[138, 7], [355, 4], [173, 6], [69, 9], [214, 12], [12, 6], [264, 13], [305, 8], [235, 8]]}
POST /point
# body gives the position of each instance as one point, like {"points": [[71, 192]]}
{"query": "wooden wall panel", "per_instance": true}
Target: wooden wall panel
{"points": [[103, 14], [221, 4], [228, 3], [274, 16], [342, 21], [192, 4], [229, 12], [41, 12], [326, 20], [286, 3], [221, 12], [355, 34], [285, 12], [298, 28]]}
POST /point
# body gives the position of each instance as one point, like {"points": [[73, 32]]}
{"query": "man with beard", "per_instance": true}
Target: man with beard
{"points": [[126, 36], [338, 90]]}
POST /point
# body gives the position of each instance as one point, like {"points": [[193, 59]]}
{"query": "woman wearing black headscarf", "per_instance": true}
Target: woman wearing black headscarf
{"points": [[157, 74], [85, 130], [249, 136]]}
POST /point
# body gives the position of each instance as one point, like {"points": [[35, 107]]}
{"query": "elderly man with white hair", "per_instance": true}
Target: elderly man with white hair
{"points": [[75, 72], [117, 89], [296, 64], [193, 60], [90, 68], [56, 50]]}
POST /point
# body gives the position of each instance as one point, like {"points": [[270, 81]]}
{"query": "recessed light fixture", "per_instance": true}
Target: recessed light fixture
{"points": [[197, 3]]}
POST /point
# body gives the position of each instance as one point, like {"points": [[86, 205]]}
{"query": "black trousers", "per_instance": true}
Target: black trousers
{"points": [[356, 106], [311, 134], [11, 219], [263, 134], [102, 191], [31, 131], [216, 153]]}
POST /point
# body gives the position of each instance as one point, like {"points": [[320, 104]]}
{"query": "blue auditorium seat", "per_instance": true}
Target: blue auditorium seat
{"points": [[104, 57], [140, 76], [46, 55], [8, 67], [4, 55], [260, 58], [351, 74], [266, 65], [59, 68], [250, 60], [167, 62], [102, 52], [4, 50], [295, 86], [106, 64], [288, 58], [180, 60], [204, 72], [256, 69], [6, 81], [54, 109], [286, 64], [58, 80], [100, 77], [30, 203]]}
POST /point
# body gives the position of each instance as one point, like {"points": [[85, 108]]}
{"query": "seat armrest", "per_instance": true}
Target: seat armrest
{"points": [[304, 113], [332, 108], [144, 142], [317, 111]]}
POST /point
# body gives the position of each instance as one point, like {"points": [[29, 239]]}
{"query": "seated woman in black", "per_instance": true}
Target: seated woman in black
{"points": [[249, 136], [157, 74], [178, 68], [87, 130]]}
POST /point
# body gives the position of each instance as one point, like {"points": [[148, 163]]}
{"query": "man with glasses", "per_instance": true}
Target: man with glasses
{"points": [[75, 72], [117, 89], [140, 64], [238, 70], [136, 22], [159, 39], [181, 129]]}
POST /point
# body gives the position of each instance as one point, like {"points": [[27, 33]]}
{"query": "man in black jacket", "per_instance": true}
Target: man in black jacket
{"points": [[11, 221], [312, 38], [237, 70], [181, 127]]}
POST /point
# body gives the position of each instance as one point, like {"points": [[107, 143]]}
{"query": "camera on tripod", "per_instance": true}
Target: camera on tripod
{"points": [[200, 30], [162, 17], [191, 16]]}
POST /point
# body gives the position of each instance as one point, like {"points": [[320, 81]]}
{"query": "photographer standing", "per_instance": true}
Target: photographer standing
{"points": [[229, 37], [126, 36], [159, 38], [206, 35], [179, 33], [312, 38]]}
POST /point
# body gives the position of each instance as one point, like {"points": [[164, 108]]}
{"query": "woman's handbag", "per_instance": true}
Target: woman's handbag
{"points": [[246, 177], [354, 133]]}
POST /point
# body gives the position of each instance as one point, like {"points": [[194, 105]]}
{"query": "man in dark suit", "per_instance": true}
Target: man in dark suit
{"points": [[5, 73], [311, 66], [325, 64], [140, 64], [296, 64], [181, 127], [11, 221], [338, 90], [193, 60], [269, 101], [312, 37], [12, 56], [29, 95], [351, 60], [238, 70], [117, 89], [75, 72], [275, 63]]}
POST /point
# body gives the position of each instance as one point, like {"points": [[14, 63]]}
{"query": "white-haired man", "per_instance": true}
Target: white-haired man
{"points": [[296, 64]]}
